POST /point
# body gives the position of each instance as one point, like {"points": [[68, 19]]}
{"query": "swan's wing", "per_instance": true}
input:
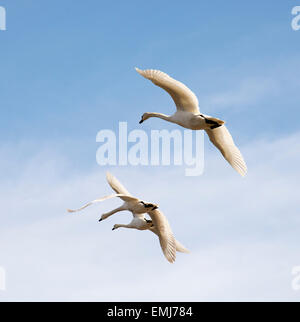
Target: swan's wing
{"points": [[165, 234], [123, 197], [116, 185], [183, 97], [222, 139], [179, 247]]}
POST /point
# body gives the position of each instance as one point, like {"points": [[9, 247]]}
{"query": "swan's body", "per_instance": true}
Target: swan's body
{"points": [[187, 120], [158, 223], [189, 117]]}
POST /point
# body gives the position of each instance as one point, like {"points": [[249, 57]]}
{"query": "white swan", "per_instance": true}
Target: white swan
{"points": [[158, 223], [188, 116]]}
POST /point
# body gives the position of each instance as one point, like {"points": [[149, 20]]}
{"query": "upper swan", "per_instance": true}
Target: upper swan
{"points": [[189, 116]]}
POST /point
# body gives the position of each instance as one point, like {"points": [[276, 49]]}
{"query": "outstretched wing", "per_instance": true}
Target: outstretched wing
{"points": [[222, 139], [123, 197], [165, 234], [116, 185], [184, 98], [179, 247]]}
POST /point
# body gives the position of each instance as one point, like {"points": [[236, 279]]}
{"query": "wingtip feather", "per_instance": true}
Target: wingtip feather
{"points": [[139, 70], [108, 175]]}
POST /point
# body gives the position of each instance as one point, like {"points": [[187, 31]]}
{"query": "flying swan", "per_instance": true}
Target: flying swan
{"points": [[188, 116], [158, 224]]}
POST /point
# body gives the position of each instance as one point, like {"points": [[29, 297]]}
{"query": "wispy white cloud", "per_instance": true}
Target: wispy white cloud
{"points": [[243, 233]]}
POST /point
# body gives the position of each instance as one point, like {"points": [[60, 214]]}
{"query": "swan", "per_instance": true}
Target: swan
{"points": [[158, 224], [189, 117]]}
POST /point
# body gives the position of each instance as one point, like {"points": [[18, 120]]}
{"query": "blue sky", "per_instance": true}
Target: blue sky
{"points": [[61, 60], [67, 71]]}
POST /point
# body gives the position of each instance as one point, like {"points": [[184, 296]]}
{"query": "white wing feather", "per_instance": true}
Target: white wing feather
{"points": [[179, 247], [223, 140], [116, 185], [123, 197], [165, 234], [184, 98]]}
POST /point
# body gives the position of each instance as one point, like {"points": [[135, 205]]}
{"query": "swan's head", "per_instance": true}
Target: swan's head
{"points": [[145, 117]]}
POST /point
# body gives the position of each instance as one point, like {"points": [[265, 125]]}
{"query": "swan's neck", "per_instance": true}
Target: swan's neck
{"points": [[108, 214], [125, 226], [162, 116]]}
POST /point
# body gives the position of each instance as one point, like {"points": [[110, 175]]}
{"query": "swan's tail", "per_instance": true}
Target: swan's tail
{"points": [[213, 120], [180, 248]]}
